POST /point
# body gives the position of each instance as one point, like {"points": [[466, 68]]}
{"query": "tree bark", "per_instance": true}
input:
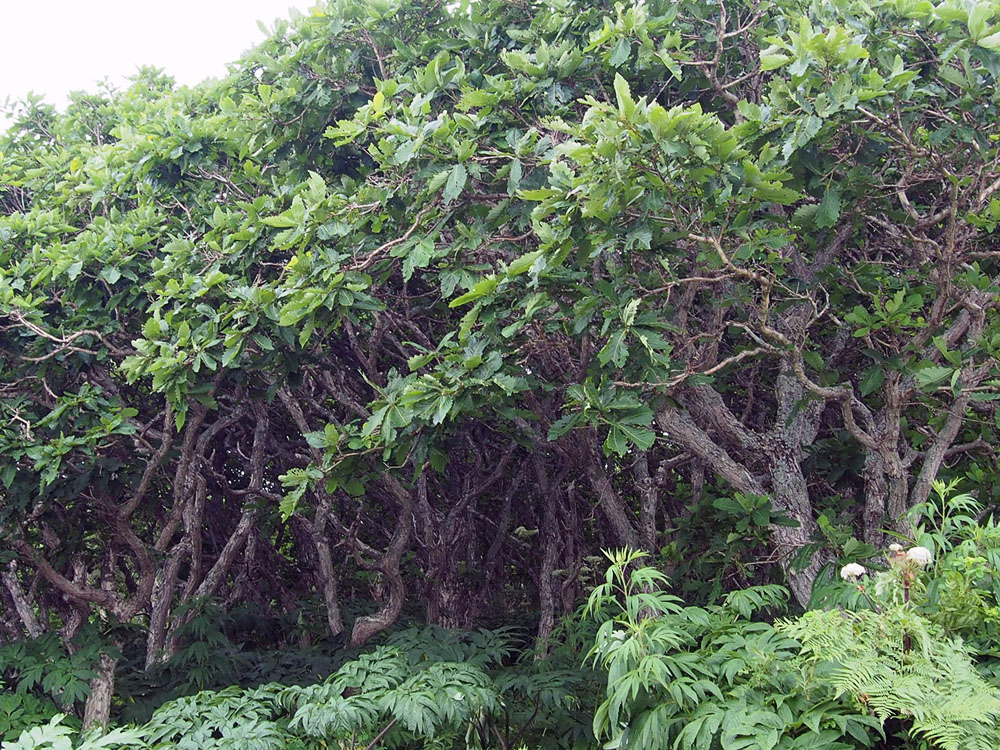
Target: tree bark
{"points": [[936, 453], [649, 501], [97, 710], [791, 495], [680, 428], [160, 605], [795, 427], [876, 499], [608, 500], [324, 557], [21, 604], [546, 580], [388, 565]]}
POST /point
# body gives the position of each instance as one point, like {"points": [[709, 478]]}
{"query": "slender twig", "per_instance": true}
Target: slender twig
{"points": [[380, 735]]}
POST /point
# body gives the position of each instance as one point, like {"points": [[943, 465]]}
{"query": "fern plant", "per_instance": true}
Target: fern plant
{"points": [[898, 664], [913, 639], [427, 688], [957, 586], [696, 678]]}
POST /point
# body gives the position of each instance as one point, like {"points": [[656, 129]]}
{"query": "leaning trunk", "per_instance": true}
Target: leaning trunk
{"points": [[370, 625], [22, 606]]}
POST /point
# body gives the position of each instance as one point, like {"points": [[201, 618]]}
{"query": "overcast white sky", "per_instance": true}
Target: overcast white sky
{"points": [[59, 46]]}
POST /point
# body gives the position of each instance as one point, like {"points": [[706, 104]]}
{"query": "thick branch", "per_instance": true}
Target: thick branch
{"points": [[681, 429]]}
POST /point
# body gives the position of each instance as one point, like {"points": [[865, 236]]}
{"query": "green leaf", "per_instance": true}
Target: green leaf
{"points": [[829, 209], [813, 359], [930, 377], [417, 361], [871, 380], [514, 177], [481, 289], [992, 41], [776, 194], [443, 408], [641, 437], [626, 106], [456, 183], [616, 442], [419, 256], [563, 425], [524, 263], [772, 61], [979, 16], [616, 350], [620, 52]]}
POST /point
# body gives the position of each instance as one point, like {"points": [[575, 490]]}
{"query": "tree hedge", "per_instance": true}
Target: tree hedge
{"points": [[423, 305]]}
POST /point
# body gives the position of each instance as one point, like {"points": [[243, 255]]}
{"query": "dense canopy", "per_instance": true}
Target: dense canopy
{"points": [[425, 305]]}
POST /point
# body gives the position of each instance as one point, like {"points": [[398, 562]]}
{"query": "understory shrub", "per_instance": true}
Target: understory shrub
{"points": [[424, 688]]}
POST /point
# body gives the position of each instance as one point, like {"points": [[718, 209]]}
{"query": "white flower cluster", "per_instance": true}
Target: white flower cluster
{"points": [[920, 556], [852, 571]]}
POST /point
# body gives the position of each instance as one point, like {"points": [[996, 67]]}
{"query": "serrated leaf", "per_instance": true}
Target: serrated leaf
{"points": [[620, 52], [456, 183], [418, 257], [871, 380], [626, 106], [776, 194], [989, 42], [563, 425], [932, 376], [514, 177], [615, 442], [444, 405], [616, 350], [641, 437], [979, 15], [525, 262], [813, 359], [418, 360], [772, 61]]}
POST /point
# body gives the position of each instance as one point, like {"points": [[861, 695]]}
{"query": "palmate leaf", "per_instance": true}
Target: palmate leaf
{"points": [[52, 736], [338, 717]]}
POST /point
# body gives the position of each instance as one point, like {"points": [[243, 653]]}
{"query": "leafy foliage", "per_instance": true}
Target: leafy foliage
{"points": [[917, 642], [427, 687], [19, 712], [897, 664], [691, 677], [426, 303], [41, 678]]}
